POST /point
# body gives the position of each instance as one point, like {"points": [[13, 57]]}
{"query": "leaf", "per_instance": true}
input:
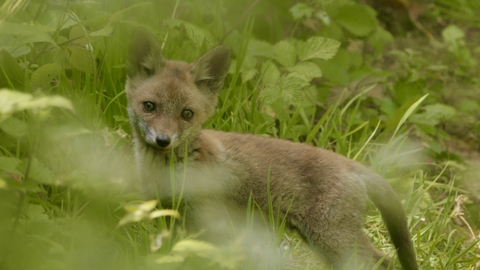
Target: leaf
{"points": [[270, 73], [36, 213], [196, 34], [176, 260], [285, 54], [199, 248], [10, 164], [248, 69], [17, 51], [143, 211], [164, 213], [260, 48], [11, 74], [82, 59], [81, 50], [305, 71], [379, 38], [334, 72], [104, 32], [292, 83], [434, 114], [339, 94], [469, 106], [14, 101], [318, 47], [288, 90], [44, 74], [225, 258], [148, 205], [26, 33], [301, 10], [356, 19], [14, 127], [452, 33], [247, 75], [51, 19], [41, 173], [3, 184], [410, 110]]}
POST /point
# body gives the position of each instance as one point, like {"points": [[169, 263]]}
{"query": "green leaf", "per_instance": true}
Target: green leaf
{"points": [[81, 50], [356, 19], [3, 184], [16, 50], [433, 114], [81, 59], [168, 262], [288, 90], [10, 164], [380, 38], [452, 33], [52, 18], [14, 127], [469, 106], [248, 69], [145, 210], [36, 213], [226, 259], [334, 72], [301, 10], [247, 75], [104, 32], [146, 207], [270, 73], [318, 47], [199, 248], [260, 48], [305, 71], [11, 74], [14, 101], [26, 33], [41, 173], [44, 74], [196, 34], [407, 114], [285, 54], [164, 213], [269, 94]]}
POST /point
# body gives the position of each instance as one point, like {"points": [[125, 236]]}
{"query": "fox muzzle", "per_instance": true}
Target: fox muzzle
{"points": [[163, 140]]}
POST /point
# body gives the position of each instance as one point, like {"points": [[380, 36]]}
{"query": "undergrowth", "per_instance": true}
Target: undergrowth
{"points": [[326, 73]]}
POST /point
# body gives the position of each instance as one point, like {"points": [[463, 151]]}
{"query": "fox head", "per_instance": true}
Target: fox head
{"points": [[168, 101]]}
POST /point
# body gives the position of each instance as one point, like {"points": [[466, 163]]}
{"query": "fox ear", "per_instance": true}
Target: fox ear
{"points": [[211, 69], [144, 54]]}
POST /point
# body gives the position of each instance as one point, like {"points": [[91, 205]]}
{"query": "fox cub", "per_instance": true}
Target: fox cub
{"points": [[322, 194]]}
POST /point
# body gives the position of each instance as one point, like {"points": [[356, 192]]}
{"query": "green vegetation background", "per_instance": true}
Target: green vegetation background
{"points": [[393, 84]]}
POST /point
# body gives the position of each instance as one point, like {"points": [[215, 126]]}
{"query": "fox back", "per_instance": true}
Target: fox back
{"points": [[322, 195]]}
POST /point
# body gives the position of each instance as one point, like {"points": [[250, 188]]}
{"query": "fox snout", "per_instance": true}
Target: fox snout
{"points": [[163, 140]]}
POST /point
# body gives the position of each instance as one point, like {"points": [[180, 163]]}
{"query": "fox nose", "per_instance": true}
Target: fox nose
{"points": [[162, 140]]}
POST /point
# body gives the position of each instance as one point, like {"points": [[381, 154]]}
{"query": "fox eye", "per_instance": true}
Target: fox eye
{"points": [[149, 106], [187, 114]]}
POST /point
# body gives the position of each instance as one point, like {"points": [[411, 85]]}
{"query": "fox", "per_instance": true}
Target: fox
{"points": [[322, 194]]}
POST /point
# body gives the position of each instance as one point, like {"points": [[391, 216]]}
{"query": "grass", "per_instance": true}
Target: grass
{"points": [[67, 176]]}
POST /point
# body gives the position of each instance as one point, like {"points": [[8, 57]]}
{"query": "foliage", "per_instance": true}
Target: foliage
{"points": [[326, 73]]}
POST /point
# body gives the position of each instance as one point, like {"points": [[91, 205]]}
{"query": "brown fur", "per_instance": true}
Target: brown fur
{"points": [[324, 195]]}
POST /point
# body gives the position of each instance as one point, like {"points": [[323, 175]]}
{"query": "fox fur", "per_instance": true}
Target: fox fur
{"points": [[323, 195]]}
